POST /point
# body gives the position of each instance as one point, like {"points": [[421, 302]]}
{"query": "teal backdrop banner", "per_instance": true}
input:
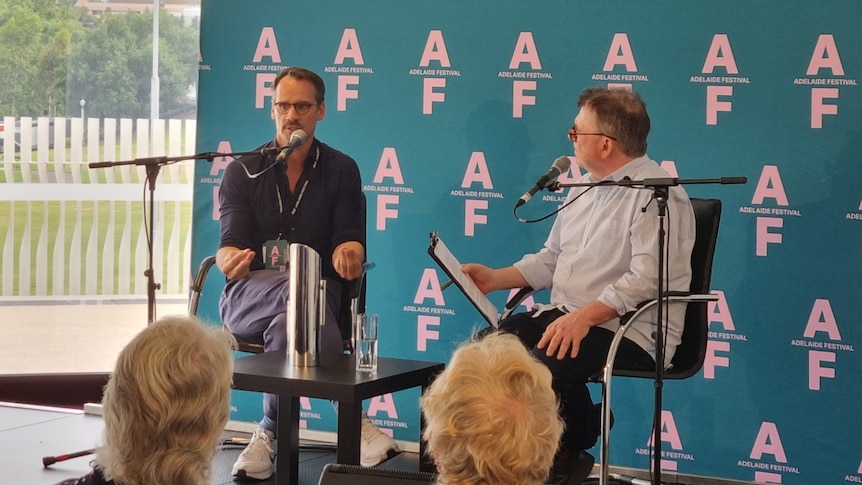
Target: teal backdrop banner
{"points": [[453, 109]]}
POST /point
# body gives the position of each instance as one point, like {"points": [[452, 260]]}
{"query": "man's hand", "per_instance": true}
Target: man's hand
{"points": [[481, 275], [347, 260], [564, 335], [489, 280], [234, 262]]}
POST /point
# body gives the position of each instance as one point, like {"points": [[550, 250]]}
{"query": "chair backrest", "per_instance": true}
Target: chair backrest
{"points": [[689, 356], [690, 353], [336, 474]]}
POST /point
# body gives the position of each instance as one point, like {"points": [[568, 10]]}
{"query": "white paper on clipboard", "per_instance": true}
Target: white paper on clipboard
{"points": [[450, 264]]}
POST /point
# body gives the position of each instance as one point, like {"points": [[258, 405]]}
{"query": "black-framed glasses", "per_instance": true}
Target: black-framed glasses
{"points": [[301, 107], [573, 135]]}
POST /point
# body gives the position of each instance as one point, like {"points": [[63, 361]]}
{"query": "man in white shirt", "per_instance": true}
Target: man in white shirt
{"points": [[599, 261]]}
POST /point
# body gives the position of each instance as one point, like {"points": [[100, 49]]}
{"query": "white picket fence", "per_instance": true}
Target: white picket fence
{"points": [[72, 231]]}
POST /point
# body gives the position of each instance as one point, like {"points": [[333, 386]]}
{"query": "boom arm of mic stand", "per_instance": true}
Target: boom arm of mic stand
{"points": [[657, 182], [153, 165], [208, 156]]}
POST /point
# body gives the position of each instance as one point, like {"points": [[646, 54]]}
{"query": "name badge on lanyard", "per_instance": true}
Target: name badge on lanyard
{"points": [[276, 254]]}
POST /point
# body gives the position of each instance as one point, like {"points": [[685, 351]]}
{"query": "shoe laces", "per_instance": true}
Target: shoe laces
{"points": [[369, 431], [260, 444]]}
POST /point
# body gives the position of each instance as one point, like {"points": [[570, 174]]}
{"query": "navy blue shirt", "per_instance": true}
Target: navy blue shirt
{"points": [[329, 212]]}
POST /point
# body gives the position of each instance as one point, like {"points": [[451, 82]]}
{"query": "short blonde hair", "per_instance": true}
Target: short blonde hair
{"points": [[492, 416], [166, 404]]}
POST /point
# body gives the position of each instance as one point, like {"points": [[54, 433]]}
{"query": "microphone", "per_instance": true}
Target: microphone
{"points": [[733, 180], [559, 166], [297, 138]]}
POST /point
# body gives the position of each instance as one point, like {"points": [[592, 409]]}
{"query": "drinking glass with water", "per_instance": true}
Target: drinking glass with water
{"points": [[366, 342]]}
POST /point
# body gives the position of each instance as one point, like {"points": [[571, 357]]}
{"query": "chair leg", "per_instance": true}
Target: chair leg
{"points": [[597, 408]]}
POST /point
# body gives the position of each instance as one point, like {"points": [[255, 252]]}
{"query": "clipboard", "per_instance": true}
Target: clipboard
{"points": [[450, 264]]}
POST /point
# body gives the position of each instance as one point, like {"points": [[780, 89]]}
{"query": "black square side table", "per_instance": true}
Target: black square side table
{"points": [[336, 379]]}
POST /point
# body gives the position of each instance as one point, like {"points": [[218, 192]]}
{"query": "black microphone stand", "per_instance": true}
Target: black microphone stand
{"points": [[153, 166], [660, 188]]}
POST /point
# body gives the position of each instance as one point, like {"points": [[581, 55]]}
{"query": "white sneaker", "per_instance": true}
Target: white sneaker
{"points": [[256, 459], [376, 445]]}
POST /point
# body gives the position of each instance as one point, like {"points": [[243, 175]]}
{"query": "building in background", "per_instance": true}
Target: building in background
{"points": [[181, 8]]}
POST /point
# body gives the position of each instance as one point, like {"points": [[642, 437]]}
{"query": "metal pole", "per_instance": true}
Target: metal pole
{"points": [[154, 81], [153, 169]]}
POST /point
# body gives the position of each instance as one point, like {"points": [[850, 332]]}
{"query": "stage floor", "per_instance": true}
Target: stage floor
{"points": [[29, 433], [73, 337]]}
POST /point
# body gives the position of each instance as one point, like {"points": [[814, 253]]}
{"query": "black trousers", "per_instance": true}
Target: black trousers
{"points": [[570, 375]]}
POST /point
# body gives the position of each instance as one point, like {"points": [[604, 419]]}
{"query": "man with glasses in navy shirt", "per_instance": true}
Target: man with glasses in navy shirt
{"points": [[312, 196]]}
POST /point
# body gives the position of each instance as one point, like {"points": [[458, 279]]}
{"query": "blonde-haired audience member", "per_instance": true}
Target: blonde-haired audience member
{"points": [[491, 416], [165, 406]]}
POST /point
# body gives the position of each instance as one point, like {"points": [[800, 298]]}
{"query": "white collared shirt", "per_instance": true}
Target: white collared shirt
{"points": [[604, 247]]}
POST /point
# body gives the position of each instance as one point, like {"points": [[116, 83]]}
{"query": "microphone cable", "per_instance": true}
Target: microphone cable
{"points": [[531, 221], [258, 174]]}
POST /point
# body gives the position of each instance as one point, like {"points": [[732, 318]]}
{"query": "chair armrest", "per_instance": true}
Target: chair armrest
{"points": [[516, 300], [354, 287], [649, 303], [630, 317], [198, 283]]}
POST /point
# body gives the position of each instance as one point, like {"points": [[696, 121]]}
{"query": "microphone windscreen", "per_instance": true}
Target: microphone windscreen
{"points": [[562, 163], [297, 138]]}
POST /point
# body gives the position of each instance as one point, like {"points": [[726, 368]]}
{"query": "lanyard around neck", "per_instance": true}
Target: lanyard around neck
{"points": [[301, 190]]}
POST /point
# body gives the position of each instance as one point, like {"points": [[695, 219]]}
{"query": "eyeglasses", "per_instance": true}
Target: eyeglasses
{"points": [[301, 108], [573, 135]]}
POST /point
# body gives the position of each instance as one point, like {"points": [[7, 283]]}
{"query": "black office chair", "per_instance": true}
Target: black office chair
{"points": [[689, 355]]}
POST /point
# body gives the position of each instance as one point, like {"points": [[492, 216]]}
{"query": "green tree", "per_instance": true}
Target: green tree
{"points": [[102, 70], [53, 54], [111, 68], [19, 36], [35, 37], [178, 71], [51, 74]]}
